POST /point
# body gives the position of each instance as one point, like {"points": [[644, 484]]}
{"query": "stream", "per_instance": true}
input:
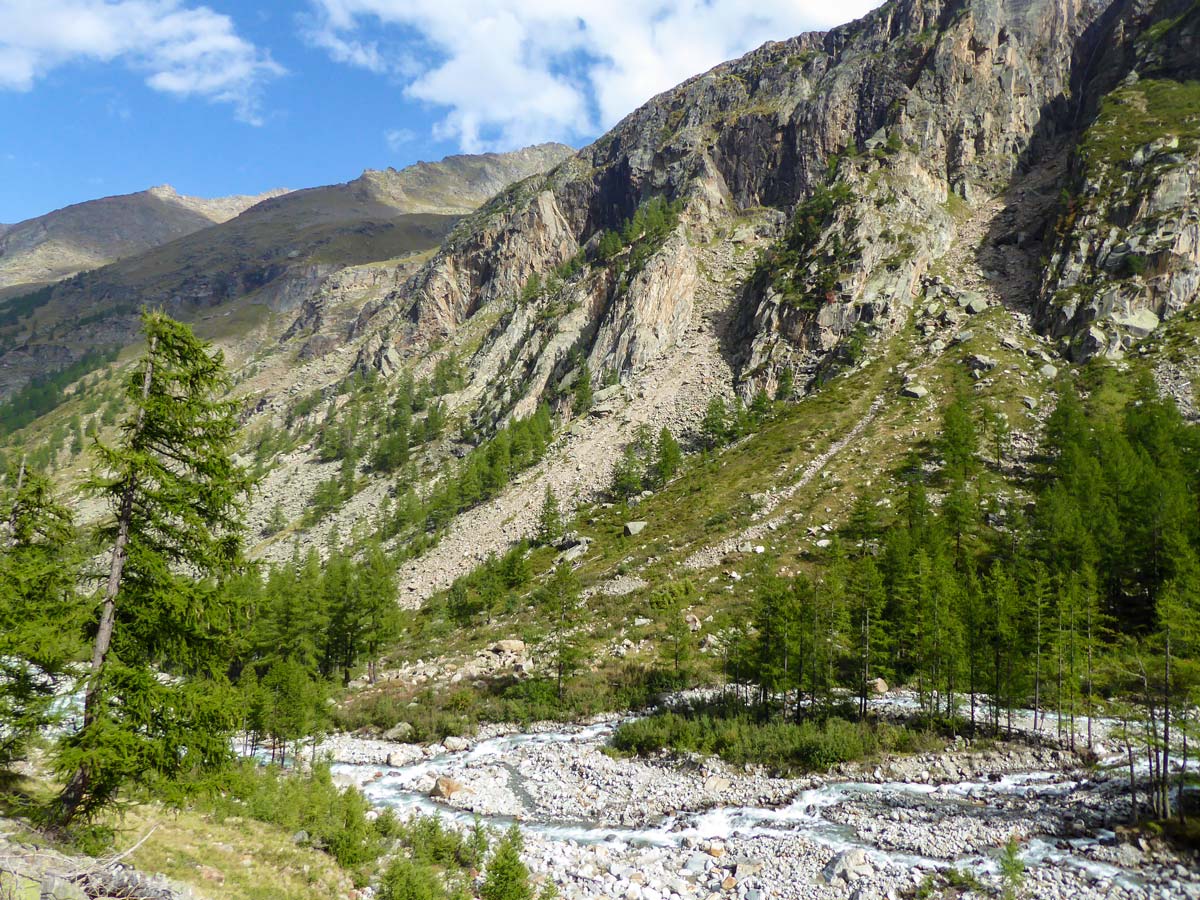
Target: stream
{"points": [[639, 829]]}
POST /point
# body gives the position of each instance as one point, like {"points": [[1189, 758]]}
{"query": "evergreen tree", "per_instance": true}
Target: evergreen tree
{"points": [[550, 524], [715, 425], [559, 597], [582, 391], [38, 607], [506, 877], [668, 457], [174, 492]]}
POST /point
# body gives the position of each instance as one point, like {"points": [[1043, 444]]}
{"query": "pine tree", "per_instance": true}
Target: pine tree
{"points": [[550, 524], [668, 457], [559, 597], [175, 492], [583, 388], [715, 425], [38, 607], [380, 615], [507, 878]]}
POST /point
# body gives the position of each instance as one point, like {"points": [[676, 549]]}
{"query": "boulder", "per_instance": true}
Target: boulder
{"points": [[511, 645], [878, 686], [445, 788], [915, 391], [1048, 371], [849, 865], [634, 528], [714, 784], [979, 363], [456, 744], [399, 733], [693, 622]]}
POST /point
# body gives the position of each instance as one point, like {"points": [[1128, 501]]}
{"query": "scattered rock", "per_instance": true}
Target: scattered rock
{"points": [[634, 528]]}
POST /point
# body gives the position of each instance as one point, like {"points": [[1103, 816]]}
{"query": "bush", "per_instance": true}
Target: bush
{"points": [[739, 739], [335, 819]]}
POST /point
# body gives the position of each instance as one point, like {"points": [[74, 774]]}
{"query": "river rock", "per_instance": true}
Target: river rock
{"points": [[445, 787], [878, 686], [848, 866], [400, 732], [456, 744]]}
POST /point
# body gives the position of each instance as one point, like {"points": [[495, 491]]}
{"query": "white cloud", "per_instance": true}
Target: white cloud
{"points": [[511, 72], [186, 51], [396, 138]]}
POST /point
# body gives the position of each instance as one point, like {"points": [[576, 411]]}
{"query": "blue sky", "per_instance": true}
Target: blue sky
{"points": [[103, 97]]}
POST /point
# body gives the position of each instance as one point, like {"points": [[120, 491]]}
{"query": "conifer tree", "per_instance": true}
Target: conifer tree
{"points": [[174, 491], [38, 607], [550, 525], [668, 457], [559, 596], [507, 878]]}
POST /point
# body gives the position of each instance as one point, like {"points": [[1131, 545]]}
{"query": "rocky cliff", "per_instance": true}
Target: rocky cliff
{"points": [[1126, 245], [276, 254], [848, 163]]}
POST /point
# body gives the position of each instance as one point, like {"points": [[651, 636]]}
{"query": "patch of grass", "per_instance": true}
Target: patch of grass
{"points": [[1131, 117]]}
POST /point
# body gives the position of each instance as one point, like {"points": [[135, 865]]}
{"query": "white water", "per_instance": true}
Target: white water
{"points": [[806, 815]]}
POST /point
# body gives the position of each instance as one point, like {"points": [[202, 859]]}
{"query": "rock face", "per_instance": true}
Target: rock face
{"points": [[285, 253], [866, 139], [1127, 247]]}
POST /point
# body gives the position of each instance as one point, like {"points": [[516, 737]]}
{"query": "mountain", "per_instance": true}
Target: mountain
{"points": [[277, 252], [98, 232], [850, 383]]}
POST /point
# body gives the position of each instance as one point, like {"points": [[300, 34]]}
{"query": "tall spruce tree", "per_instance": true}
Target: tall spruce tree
{"points": [[175, 532]]}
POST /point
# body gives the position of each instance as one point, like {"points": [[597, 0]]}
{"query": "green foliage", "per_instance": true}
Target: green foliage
{"points": [[334, 818], [550, 521], [45, 392], [484, 472], [39, 613], [22, 307], [643, 235], [1133, 116], [1012, 869], [738, 738], [506, 877], [804, 267], [175, 494], [582, 389]]}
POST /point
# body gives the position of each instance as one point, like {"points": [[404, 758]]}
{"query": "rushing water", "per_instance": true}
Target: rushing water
{"points": [[405, 789]]}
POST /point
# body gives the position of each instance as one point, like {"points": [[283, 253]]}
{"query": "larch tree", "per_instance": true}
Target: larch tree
{"points": [[155, 697], [38, 606]]}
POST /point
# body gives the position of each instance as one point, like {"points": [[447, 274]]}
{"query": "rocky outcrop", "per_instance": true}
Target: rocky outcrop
{"points": [[918, 101], [1126, 253]]}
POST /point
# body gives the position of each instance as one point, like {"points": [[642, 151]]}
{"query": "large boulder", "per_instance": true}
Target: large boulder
{"points": [[399, 733], [511, 645], [878, 686], [445, 788], [634, 528], [848, 866]]}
